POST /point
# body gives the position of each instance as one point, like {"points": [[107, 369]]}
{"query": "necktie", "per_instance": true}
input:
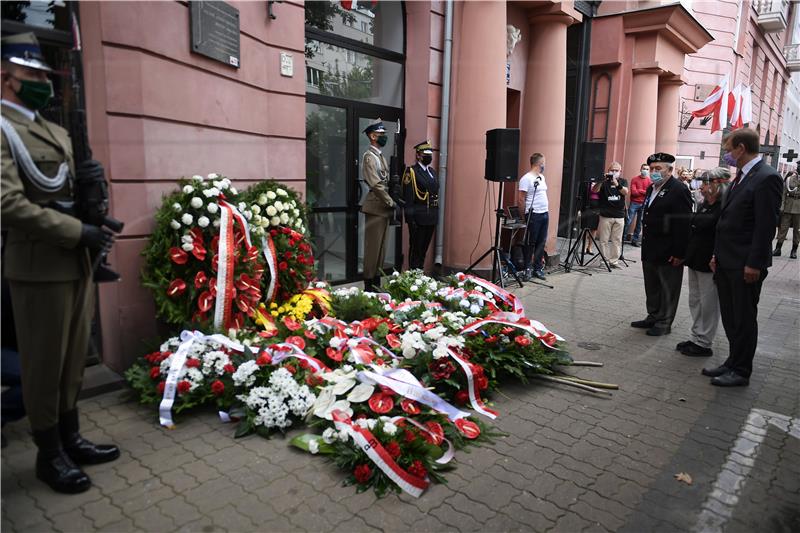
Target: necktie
{"points": [[737, 180]]}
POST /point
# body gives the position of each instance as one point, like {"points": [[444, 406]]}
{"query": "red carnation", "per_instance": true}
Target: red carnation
{"points": [[229, 368], [155, 372], [161, 386], [418, 469], [184, 386], [288, 256], [362, 473], [297, 341], [442, 368], [264, 359], [522, 340], [283, 265], [218, 387], [482, 382], [409, 436], [381, 403], [462, 397], [193, 363], [393, 449]]}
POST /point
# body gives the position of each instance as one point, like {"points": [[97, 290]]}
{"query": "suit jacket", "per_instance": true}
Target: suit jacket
{"points": [[418, 182], [747, 220], [375, 172], [665, 222], [42, 242], [701, 236]]}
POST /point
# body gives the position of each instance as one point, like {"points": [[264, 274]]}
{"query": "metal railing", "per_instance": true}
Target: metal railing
{"points": [[792, 54], [772, 14]]}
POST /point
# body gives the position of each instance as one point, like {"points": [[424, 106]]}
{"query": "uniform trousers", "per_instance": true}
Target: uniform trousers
{"points": [[738, 302], [419, 239], [662, 288], [53, 323], [375, 239], [610, 228], [704, 306], [793, 220]]}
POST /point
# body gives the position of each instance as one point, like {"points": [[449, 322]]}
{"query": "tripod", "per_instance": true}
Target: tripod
{"points": [[499, 258], [573, 253]]}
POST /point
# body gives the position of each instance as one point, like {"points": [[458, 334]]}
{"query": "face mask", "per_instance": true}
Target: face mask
{"points": [[656, 177], [35, 94], [615, 173], [382, 140], [426, 159], [729, 160], [542, 170], [645, 173]]}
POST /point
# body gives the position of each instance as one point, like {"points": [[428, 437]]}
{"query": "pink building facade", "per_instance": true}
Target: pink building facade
{"points": [[585, 82]]}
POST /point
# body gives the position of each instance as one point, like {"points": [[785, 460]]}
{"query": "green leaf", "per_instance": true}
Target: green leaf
{"points": [[301, 441]]}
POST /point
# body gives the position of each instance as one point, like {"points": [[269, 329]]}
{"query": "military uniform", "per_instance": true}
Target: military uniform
{"points": [[790, 216], [49, 273], [378, 208], [421, 208]]}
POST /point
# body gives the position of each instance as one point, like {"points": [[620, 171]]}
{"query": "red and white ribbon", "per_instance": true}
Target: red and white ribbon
{"points": [[447, 456], [271, 255], [474, 394], [534, 327], [501, 293], [225, 261], [281, 351], [359, 357], [365, 440]]}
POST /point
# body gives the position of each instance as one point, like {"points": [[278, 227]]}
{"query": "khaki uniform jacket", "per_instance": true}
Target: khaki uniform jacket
{"points": [[791, 201], [375, 172], [42, 243]]}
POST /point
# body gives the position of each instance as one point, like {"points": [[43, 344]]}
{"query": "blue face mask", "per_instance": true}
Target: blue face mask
{"points": [[729, 159], [656, 177], [542, 170]]}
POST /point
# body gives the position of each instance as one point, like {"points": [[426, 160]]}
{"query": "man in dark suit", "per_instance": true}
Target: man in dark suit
{"points": [[665, 227], [743, 252], [421, 195]]}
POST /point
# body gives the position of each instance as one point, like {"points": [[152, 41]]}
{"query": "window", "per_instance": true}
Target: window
{"points": [[364, 26], [350, 57], [313, 76]]}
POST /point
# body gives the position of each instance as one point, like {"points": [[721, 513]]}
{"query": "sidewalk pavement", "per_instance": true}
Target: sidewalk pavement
{"points": [[572, 461]]}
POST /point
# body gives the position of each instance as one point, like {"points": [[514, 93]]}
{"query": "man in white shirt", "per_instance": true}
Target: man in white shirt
{"points": [[533, 197]]}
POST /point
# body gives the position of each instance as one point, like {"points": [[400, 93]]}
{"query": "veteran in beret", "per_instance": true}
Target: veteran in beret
{"points": [[48, 268], [667, 212], [421, 209], [378, 206]]}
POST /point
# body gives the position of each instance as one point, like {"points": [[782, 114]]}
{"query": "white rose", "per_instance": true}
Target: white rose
{"points": [[196, 202], [226, 183], [216, 223], [233, 190], [284, 218], [248, 215], [188, 189], [313, 446], [279, 205], [474, 309], [213, 176], [203, 222], [217, 184], [197, 177], [257, 220], [282, 192], [271, 211], [255, 209], [177, 207], [262, 199], [389, 428], [271, 195], [187, 246], [242, 206], [187, 218], [328, 436], [174, 224], [212, 208], [413, 288], [296, 212], [275, 221]]}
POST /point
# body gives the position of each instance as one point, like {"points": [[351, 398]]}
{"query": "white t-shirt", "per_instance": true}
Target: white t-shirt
{"points": [[535, 195]]}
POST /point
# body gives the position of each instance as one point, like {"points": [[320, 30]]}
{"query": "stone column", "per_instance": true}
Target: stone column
{"points": [[543, 106], [478, 104], [668, 119], [640, 138]]}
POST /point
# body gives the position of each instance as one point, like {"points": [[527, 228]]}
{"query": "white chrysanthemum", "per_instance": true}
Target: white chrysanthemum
{"points": [[389, 428], [188, 189], [213, 176], [313, 446], [413, 288], [187, 247], [212, 208], [187, 218], [474, 309], [216, 223], [197, 177], [211, 192], [174, 224], [225, 183], [244, 375], [203, 222], [196, 202], [329, 435]]}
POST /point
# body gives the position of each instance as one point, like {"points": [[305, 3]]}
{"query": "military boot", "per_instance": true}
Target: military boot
{"points": [[54, 466], [777, 251], [80, 450], [793, 255]]}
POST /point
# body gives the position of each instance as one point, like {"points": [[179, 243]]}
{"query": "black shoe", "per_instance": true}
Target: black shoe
{"points": [[777, 251], [793, 255], [693, 350], [539, 275], [80, 450], [635, 244], [642, 324], [730, 379], [54, 466], [657, 331], [714, 372], [681, 345]]}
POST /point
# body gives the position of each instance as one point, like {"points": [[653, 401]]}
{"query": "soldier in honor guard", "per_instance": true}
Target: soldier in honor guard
{"points": [[48, 267], [378, 206], [790, 214], [421, 208]]}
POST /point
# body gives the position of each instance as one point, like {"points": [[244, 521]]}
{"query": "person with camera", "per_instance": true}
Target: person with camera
{"points": [[665, 226], [638, 190], [47, 264], [378, 206], [703, 298], [421, 208], [612, 190], [790, 214], [533, 196]]}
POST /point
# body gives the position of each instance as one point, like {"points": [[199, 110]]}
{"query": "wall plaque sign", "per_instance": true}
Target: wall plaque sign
{"points": [[215, 31]]}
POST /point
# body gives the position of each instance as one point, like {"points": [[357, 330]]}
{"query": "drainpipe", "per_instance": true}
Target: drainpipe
{"points": [[443, 130]]}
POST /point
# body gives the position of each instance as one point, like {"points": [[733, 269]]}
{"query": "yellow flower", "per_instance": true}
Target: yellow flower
{"points": [[274, 313]]}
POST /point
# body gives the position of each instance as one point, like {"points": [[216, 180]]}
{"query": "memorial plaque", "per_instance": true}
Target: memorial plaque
{"points": [[215, 31]]}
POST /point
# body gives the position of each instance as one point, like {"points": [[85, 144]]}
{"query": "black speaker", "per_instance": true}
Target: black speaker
{"points": [[594, 160], [502, 154]]}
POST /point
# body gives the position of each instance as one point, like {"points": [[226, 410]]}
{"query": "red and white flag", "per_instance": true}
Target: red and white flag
{"points": [[716, 104], [741, 106]]}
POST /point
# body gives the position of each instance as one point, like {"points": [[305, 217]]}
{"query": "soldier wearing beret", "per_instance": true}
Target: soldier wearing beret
{"points": [[665, 227], [48, 268], [421, 195], [790, 214], [378, 206]]}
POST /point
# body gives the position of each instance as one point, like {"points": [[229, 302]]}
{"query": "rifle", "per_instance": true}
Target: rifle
{"points": [[395, 179]]}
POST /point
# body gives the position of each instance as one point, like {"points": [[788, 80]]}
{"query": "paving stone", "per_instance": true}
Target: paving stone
{"points": [[71, 521]]}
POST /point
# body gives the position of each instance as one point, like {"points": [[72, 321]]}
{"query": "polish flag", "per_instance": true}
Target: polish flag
{"points": [[735, 105], [716, 103]]}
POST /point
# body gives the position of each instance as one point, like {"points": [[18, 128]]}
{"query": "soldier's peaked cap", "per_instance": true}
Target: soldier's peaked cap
{"points": [[660, 157], [375, 126], [424, 147], [23, 49]]}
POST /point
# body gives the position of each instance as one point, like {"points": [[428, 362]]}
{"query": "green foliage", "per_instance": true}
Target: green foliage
{"points": [[356, 307]]}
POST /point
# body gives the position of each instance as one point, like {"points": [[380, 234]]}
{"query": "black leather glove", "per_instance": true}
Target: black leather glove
{"points": [[96, 238], [90, 169]]}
